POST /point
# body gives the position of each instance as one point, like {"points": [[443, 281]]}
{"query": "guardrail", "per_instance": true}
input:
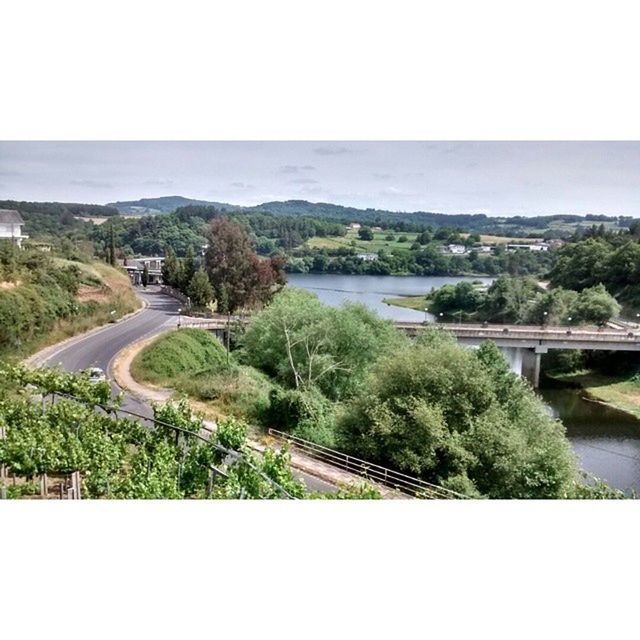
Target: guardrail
{"points": [[370, 471]]}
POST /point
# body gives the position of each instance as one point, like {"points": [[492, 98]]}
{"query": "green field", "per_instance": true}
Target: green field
{"points": [[372, 246]]}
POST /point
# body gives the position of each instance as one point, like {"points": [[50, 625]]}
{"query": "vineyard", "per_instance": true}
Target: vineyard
{"points": [[62, 436]]}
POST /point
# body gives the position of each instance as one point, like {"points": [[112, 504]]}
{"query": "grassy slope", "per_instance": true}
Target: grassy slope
{"points": [[194, 362], [108, 287], [186, 351], [363, 246], [621, 393]]}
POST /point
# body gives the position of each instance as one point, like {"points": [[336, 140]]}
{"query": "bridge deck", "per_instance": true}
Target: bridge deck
{"points": [[571, 337]]}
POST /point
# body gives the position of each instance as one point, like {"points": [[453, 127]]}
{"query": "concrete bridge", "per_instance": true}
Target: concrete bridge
{"points": [[522, 345]]}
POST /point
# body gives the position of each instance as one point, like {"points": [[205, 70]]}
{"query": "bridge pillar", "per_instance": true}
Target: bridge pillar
{"points": [[525, 362], [513, 355], [531, 365]]}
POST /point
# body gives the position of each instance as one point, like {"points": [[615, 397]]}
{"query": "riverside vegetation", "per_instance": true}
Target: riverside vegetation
{"points": [[344, 378]]}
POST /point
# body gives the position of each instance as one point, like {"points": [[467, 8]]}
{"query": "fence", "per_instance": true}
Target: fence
{"points": [[72, 488], [374, 472]]}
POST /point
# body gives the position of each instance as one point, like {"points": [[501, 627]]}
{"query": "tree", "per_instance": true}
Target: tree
{"points": [[170, 268], [238, 276], [305, 344], [440, 411], [365, 233], [596, 305], [112, 245], [145, 275], [188, 268], [508, 297], [199, 289]]}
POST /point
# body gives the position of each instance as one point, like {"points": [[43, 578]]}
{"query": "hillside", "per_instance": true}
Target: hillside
{"points": [[558, 225], [165, 204]]}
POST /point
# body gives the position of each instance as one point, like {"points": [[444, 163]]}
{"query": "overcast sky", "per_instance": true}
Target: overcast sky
{"points": [[496, 178]]}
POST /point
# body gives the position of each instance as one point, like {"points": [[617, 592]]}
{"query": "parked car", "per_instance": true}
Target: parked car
{"points": [[96, 375]]}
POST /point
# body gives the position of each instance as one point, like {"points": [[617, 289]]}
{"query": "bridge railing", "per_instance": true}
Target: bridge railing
{"points": [[566, 333], [368, 470]]}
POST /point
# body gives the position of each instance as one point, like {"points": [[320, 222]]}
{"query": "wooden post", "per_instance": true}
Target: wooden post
{"points": [[78, 486]]}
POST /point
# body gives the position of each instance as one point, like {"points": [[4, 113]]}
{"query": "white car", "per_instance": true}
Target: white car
{"points": [[96, 375]]}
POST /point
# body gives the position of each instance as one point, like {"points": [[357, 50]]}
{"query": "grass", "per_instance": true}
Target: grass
{"points": [[194, 362], [186, 351], [619, 392], [364, 246], [419, 303], [110, 290], [488, 239]]}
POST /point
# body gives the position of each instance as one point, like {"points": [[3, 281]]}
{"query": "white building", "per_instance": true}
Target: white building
{"points": [[368, 257], [135, 268], [538, 246], [454, 248], [11, 226]]}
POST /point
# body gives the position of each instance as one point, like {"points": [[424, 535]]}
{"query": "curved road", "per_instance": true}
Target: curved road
{"points": [[100, 347]]}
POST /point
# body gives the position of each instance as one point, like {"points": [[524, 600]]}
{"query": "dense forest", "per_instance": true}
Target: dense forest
{"points": [[551, 226]]}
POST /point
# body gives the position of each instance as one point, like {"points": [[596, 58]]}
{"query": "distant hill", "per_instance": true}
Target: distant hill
{"points": [[549, 226], [165, 204]]}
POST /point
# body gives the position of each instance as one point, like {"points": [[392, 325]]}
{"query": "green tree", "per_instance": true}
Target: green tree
{"points": [[460, 419], [199, 290], [508, 297], [188, 269], [145, 275], [305, 344], [365, 233], [596, 305], [112, 245], [170, 268]]}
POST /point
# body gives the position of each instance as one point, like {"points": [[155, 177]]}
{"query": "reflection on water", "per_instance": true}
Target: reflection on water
{"points": [[370, 290], [606, 441]]}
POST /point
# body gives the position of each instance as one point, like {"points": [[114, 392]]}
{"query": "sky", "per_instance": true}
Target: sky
{"points": [[495, 178]]}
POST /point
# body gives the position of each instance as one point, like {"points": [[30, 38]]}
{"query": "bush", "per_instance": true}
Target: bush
{"points": [[182, 351], [461, 419]]}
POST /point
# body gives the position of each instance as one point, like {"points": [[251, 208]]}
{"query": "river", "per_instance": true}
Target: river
{"points": [[370, 290], [606, 441]]}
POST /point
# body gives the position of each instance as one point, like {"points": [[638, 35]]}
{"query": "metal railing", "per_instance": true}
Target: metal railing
{"points": [[564, 333], [376, 473]]}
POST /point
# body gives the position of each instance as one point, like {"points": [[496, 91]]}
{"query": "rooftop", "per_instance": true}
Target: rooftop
{"points": [[10, 216]]}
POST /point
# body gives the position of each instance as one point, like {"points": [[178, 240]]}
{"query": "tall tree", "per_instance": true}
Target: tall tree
{"points": [[238, 276], [199, 289], [170, 270], [145, 275], [188, 268], [112, 245]]}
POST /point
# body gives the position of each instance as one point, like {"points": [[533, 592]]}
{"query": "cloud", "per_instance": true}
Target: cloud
{"points": [[158, 182], [382, 176], [242, 185], [93, 184], [303, 181], [295, 168], [399, 193], [331, 150], [9, 173]]}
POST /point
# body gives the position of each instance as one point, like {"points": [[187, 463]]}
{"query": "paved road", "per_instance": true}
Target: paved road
{"points": [[101, 347]]}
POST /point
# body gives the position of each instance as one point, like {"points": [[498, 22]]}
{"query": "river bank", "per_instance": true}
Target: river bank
{"points": [[621, 393]]}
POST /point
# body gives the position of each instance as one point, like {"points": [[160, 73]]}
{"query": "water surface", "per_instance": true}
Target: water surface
{"points": [[370, 290]]}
